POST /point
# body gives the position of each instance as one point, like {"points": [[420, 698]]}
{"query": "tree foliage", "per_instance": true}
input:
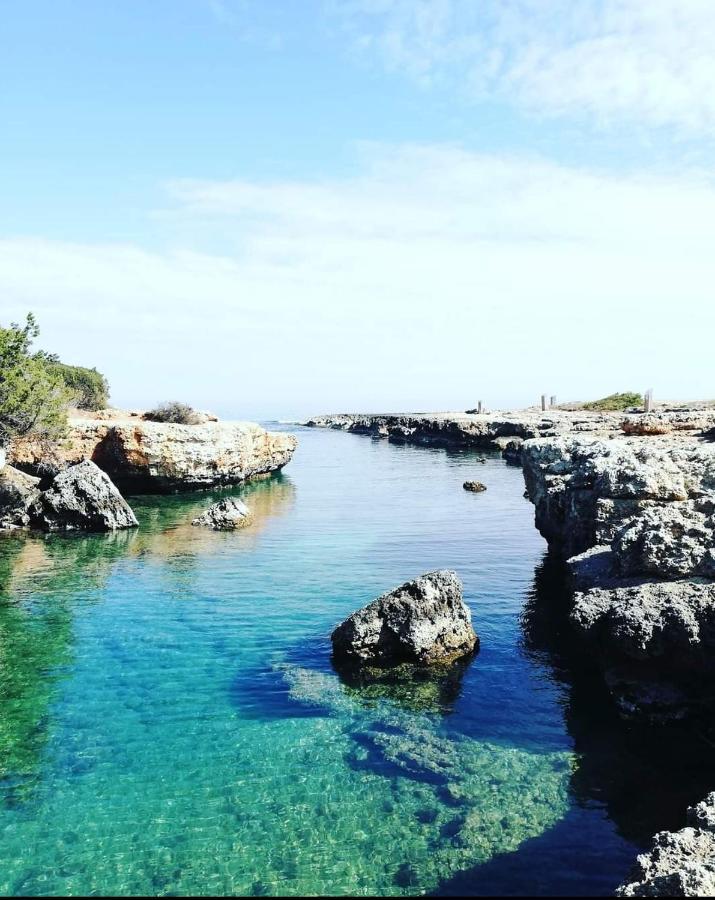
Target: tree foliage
{"points": [[89, 387], [33, 399]]}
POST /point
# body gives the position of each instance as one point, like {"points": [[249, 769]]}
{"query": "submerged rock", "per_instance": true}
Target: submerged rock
{"points": [[680, 863], [474, 486], [81, 498], [423, 621], [226, 515]]}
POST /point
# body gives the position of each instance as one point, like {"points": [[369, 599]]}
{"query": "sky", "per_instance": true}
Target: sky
{"points": [[273, 209]]}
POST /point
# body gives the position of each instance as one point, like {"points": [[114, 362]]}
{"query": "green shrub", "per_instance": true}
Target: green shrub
{"points": [[615, 402], [90, 387], [33, 400], [172, 411]]}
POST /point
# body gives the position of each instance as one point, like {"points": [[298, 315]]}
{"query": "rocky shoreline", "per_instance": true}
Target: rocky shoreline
{"points": [[629, 502], [76, 483]]}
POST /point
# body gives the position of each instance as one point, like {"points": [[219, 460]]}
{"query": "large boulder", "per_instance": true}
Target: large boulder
{"points": [[81, 498], [17, 493], [680, 863], [226, 515], [424, 621]]}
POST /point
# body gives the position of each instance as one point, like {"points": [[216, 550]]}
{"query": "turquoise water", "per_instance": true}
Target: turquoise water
{"points": [[172, 724]]}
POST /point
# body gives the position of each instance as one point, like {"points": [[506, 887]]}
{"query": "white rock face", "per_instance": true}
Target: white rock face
{"points": [[157, 457], [81, 498], [680, 863], [424, 621]]}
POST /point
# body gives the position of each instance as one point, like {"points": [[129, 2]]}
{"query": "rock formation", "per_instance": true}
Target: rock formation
{"points": [[424, 621], [475, 486], [638, 513], [156, 457], [81, 497], [226, 515], [17, 493], [680, 863]]}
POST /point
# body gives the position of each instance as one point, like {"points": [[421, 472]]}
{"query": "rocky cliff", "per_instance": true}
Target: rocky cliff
{"points": [[153, 457], [636, 519]]}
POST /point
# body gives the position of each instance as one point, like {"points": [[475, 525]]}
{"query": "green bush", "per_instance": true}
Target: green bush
{"points": [[172, 411], [90, 387], [33, 400], [615, 402]]}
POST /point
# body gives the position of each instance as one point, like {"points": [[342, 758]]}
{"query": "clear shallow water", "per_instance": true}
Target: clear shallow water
{"points": [[171, 722]]}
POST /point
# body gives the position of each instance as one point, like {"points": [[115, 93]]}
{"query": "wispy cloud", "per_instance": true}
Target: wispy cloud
{"points": [[645, 61], [430, 274]]}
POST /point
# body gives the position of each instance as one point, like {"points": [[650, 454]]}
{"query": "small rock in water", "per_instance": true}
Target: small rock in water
{"points": [[225, 515], [474, 486], [423, 621]]}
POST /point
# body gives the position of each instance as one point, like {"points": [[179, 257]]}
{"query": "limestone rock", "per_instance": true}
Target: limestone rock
{"points": [[226, 515], [17, 493], [423, 621], [680, 863], [160, 457], [671, 621], [81, 497], [673, 541], [474, 486]]}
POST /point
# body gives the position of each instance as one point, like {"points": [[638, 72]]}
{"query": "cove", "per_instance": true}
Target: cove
{"points": [[172, 724]]}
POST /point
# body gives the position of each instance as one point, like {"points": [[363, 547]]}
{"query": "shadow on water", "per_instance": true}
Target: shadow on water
{"points": [[307, 681], [642, 777]]}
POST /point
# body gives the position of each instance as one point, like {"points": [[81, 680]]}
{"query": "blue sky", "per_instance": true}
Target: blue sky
{"points": [[277, 208]]}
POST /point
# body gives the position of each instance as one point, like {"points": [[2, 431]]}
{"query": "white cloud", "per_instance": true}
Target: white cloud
{"points": [[646, 61], [432, 278]]}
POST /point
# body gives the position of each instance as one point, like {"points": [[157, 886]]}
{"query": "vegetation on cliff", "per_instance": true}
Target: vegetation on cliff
{"points": [[36, 388], [89, 387], [615, 402], [172, 411], [33, 399]]}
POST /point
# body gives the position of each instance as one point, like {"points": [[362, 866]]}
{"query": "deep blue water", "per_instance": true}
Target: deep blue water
{"points": [[172, 723]]}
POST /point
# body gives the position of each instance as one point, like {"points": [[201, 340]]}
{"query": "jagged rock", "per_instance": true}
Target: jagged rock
{"points": [[160, 457], [226, 515], [17, 493], [680, 863], [584, 489], [474, 486], [671, 541], [81, 497], [423, 621], [653, 620]]}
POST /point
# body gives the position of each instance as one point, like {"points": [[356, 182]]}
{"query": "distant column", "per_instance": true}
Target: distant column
{"points": [[479, 407], [553, 400], [648, 400], [543, 402]]}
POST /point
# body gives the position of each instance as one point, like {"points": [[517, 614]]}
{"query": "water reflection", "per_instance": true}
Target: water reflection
{"points": [[644, 775], [43, 578]]}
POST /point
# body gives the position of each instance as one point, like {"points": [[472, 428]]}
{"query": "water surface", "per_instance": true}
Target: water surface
{"points": [[172, 724]]}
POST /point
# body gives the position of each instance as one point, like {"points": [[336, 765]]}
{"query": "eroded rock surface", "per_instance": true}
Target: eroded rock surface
{"points": [[424, 621], [145, 456], [17, 493], [680, 863], [226, 515], [81, 497]]}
